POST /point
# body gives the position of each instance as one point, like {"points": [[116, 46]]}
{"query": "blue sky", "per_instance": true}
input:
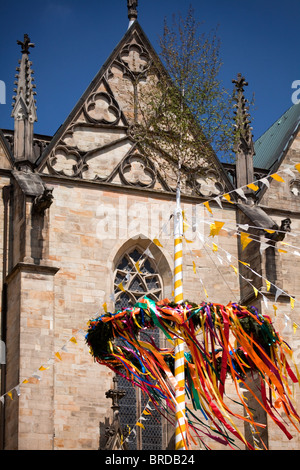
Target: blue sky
{"points": [[73, 39]]}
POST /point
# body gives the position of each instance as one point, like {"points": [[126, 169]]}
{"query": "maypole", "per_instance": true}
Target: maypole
{"points": [[180, 429]]}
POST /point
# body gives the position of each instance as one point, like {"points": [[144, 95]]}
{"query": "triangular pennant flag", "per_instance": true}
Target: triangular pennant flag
{"points": [[253, 186], [295, 326], [277, 294], [265, 181], [244, 226], [245, 240], [206, 204], [148, 253], [140, 425], [228, 198], [157, 242], [42, 368], [10, 395], [255, 291], [276, 177], [275, 309], [2, 400], [58, 356], [73, 340], [105, 307], [292, 301], [17, 389], [268, 284], [218, 201], [194, 267], [297, 166], [137, 265], [265, 301], [234, 268], [215, 247], [215, 228], [241, 193], [289, 172], [120, 286]]}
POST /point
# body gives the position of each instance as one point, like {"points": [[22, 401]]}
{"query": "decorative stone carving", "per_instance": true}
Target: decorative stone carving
{"points": [[102, 108], [136, 170], [43, 201], [66, 162], [208, 185]]}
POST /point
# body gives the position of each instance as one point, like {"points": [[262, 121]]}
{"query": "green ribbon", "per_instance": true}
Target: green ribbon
{"points": [[152, 308]]}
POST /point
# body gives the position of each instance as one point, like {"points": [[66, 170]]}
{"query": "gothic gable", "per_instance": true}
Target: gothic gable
{"points": [[98, 140]]}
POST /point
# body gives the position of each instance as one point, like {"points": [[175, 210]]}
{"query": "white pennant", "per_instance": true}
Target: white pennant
{"points": [[241, 193], [265, 181]]}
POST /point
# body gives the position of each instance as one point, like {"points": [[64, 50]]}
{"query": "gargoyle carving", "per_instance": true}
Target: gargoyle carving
{"points": [[43, 201]]}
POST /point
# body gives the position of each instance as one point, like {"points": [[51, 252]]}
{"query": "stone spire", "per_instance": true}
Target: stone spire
{"points": [[243, 146], [132, 10], [24, 108]]}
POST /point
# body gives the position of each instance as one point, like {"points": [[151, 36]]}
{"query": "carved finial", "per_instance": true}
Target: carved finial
{"points": [[243, 142], [26, 44], [24, 106], [243, 130], [132, 9]]}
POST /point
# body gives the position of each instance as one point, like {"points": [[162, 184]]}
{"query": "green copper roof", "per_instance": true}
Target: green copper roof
{"points": [[270, 147]]}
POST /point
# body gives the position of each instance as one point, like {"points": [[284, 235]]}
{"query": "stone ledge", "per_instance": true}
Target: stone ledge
{"points": [[33, 268]]}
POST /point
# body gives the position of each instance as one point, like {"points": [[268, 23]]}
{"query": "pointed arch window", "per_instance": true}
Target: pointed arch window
{"points": [[137, 272]]}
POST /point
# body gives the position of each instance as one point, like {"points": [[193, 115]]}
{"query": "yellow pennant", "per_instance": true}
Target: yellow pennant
{"points": [[120, 286], [137, 265], [105, 307], [58, 356], [205, 291], [268, 284], [295, 326], [253, 186], [157, 242], [185, 227], [73, 340], [269, 231], [215, 247], [215, 228], [227, 197], [297, 166], [10, 395], [234, 268], [281, 251], [43, 368], [206, 204], [245, 240], [292, 302], [140, 425], [194, 267], [275, 309], [255, 291], [243, 262], [276, 177], [25, 381]]}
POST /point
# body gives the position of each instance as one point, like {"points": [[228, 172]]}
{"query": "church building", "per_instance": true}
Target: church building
{"points": [[81, 207]]}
